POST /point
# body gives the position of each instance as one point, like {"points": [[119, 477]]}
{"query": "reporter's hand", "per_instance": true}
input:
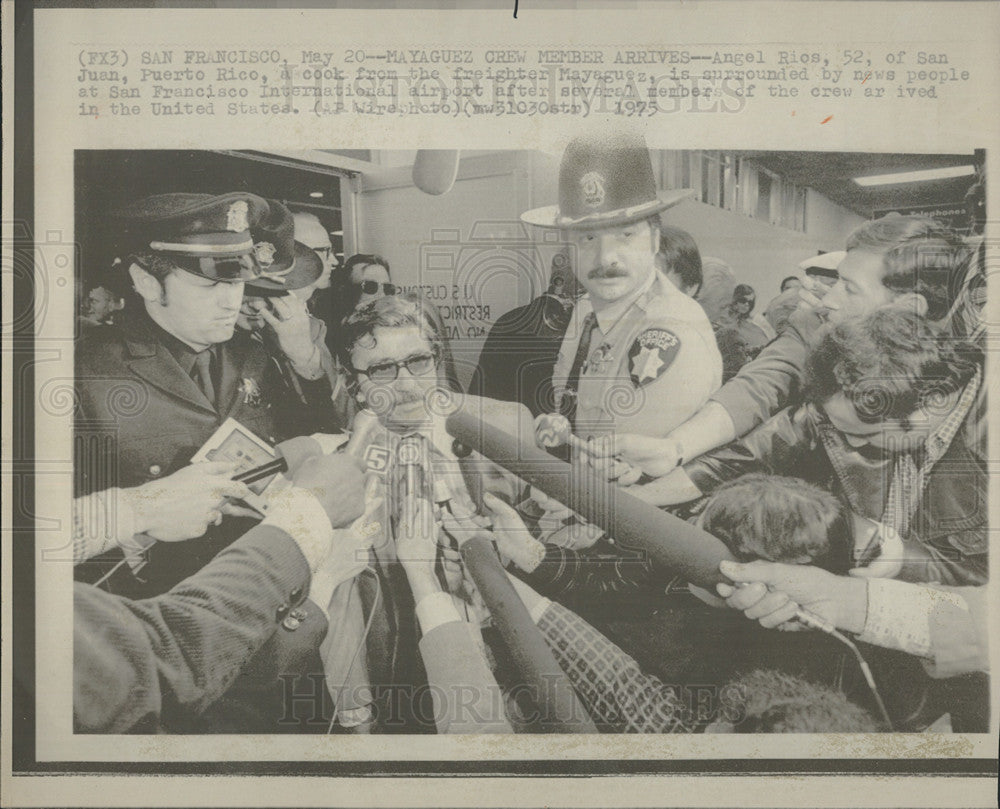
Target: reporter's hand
{"points": [[512, 536], [654, 456], [464, 528], [811, 314], [296, 451], [182, 505], [416, 536], [670, 490], [773, 592], [337, 482], [290, 322], [348, 554]]}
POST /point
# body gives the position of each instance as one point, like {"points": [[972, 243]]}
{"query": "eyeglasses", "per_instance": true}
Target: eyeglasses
{"points": [[419, 365], [325, 253], [372, 287]]}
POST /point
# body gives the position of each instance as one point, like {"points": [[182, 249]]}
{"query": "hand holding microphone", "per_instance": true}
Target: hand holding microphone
{"points": [[416, 531], [293, 452], [775, 594], [182, 505], [365, 429], [554, 430]]}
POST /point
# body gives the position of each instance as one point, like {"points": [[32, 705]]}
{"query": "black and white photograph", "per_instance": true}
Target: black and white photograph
{"points": [[694, 444], [566, 403]]}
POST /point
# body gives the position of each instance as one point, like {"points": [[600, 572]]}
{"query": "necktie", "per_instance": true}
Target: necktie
{"points": [[573, 380], [203, 375]]}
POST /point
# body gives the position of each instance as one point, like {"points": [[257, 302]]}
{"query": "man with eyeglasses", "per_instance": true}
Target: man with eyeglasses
{"points": [[393, 349], [894, 421], [310, 232]]}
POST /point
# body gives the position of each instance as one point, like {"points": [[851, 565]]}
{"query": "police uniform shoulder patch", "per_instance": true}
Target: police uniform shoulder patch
{"points": [[652, 353]]}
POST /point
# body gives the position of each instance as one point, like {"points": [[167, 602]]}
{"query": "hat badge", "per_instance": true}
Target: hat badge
{"points": [[236, 216], [592, 185], [264, 252]]}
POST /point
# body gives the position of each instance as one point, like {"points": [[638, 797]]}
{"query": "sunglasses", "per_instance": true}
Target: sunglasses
{"points": [[230, 268], [419, 365], [372, 288]]}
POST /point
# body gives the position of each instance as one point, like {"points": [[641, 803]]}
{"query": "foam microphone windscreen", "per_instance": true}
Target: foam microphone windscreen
{"points": [[435, 170], [297, 450], [559, 709], [672, 544], [364, 428]]}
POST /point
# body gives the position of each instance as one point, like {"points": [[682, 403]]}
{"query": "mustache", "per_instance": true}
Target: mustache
{"points": [[606, 272], [395, 397]]}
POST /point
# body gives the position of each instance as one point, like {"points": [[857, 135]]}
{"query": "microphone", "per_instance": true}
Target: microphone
{"points": [[414, 485], [812, 620], [363, 431], [435, 170], [670, 542], [553, 430], [802, 615]]}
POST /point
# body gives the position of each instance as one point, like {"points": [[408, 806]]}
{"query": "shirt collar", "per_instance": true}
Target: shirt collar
{"points": [[940, 439], [610, 316], [178, 349]]}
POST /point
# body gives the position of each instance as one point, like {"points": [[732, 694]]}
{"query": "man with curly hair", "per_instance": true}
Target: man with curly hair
{"points": [[894, 421]]}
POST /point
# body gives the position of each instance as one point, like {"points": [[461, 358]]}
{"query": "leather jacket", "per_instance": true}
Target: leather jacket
{"points": [[948, 539]]}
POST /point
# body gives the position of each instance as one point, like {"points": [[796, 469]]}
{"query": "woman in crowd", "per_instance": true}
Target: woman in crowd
{"points": [[364, 278], [753, 329], [361, 279]]}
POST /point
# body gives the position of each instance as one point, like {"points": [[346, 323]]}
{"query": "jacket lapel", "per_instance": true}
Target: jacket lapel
{"points": [[150, 361]]}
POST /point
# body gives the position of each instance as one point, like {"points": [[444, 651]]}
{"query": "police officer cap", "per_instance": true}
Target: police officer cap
{"points": [[605, 180], [206, 235], [285, 264], [825, 264]]}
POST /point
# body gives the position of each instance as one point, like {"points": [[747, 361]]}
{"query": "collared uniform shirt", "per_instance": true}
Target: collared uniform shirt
{"points": [[652, 363]]}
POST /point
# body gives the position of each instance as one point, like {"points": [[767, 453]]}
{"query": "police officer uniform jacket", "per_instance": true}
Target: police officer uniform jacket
{"points": [[141, 416]]}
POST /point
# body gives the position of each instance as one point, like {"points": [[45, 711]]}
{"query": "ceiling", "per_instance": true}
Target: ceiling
{"points": [[831, 173]]}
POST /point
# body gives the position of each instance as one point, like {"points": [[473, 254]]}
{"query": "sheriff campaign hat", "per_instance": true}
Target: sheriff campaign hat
{"points": [[605, 179], [205, 234], [285, 264]]}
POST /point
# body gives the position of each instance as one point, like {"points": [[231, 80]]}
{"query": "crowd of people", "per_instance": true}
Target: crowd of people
{"points": [[372, 573]]}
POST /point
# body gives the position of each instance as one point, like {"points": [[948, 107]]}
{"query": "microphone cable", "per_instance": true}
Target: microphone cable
{"points": [[815, 622]]}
